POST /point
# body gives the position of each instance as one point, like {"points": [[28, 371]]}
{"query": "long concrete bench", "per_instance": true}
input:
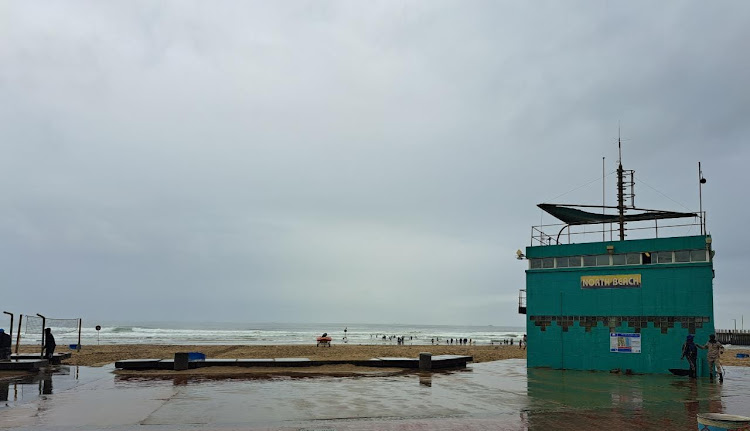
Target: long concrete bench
{"points": [[437, 362]]}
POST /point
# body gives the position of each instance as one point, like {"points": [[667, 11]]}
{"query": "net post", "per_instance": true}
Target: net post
{"points": [[44, 324], [18, 336], [11, 321], [80, 324]]}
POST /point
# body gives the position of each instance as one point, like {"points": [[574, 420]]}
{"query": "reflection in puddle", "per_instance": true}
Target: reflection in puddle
{"points": [[48, 381], [425, 377], [32, 386], [495, 395]]}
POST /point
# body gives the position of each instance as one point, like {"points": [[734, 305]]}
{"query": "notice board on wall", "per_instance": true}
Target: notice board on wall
{"points": [[620, 342]]}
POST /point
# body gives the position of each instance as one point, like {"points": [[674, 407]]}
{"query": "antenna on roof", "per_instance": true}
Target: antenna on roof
{"points": [[620, 191], [701, 181]]}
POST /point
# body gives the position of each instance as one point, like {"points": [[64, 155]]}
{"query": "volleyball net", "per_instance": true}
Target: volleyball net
{"points": [[66, 331]]}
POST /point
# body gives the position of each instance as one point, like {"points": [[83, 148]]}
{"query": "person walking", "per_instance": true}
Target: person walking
{"points": [[715, 350], [690, 352], [5, 343], [49, 344]]}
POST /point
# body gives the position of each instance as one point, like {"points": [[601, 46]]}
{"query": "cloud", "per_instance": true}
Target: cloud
{"points": [[243, 161]]}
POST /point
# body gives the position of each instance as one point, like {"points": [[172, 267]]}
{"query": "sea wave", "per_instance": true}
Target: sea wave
{"points": [[278, 334]]}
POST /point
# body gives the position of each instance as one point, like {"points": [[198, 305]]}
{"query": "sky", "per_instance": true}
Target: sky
{"points": [[373, 162]]}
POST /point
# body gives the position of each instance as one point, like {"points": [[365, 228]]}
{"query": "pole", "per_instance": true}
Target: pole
{"points": [[80, 324], [44, 325], [735, 325], [700, 198], [620, 195], [11, 322], [604, 226], [18, 337]]}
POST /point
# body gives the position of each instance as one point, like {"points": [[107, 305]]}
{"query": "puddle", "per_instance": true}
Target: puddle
{"points": [[491, 395]]}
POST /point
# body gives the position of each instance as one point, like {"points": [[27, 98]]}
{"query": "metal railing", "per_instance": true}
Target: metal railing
{"points": [[561, 233]]}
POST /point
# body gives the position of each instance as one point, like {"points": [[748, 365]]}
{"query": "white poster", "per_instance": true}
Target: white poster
{"points": [[624, 342]]}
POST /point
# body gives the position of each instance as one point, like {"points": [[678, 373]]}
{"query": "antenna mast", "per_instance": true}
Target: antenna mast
{"points": [[620, 191], [701, 181]]}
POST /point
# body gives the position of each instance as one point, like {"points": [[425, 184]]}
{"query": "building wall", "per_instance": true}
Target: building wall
{"points": [[569, 327]]}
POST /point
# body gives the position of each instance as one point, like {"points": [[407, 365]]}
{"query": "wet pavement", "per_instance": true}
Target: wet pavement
{"points": [[485, 396]]}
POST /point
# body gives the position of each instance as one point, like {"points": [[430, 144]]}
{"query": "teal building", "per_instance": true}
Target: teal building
{"points": [[624, 305]]}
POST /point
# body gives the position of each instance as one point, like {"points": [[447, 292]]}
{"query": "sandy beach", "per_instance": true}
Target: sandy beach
{"points": [[97, 356], [107, 354]]}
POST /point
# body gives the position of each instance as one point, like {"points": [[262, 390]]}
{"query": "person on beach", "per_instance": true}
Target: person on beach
{"points": [[49, 344], [690, 352], [5, 342], [715, 350], [524, 342]]}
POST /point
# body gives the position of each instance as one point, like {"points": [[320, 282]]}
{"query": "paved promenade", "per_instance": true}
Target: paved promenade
{"points": [[485, 396]]}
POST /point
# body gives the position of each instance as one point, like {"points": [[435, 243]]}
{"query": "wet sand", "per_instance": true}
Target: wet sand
{"points": [[106, 354], [730, 358]]}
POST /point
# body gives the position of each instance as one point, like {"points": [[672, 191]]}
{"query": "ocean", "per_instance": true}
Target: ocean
{"points": [[271, 333]]}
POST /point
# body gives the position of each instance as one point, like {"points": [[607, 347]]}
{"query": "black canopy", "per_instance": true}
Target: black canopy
{"points": [[574, 216]]}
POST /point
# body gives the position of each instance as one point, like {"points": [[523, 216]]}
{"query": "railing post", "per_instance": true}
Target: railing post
{"points": [[18, 337], [11, 322], [44, 326]]}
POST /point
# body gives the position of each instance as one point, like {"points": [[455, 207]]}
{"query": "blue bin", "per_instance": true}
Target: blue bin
{"points": [[742, 355], [73, 346], [196, 356]]}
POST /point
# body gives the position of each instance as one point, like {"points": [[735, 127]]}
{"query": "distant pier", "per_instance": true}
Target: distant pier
{"points": [[737, 337]]}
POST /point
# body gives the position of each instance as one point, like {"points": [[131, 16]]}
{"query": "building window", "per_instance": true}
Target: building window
{"points": [[589, 260], [634, 258], [602, 260], [664, 257], [619, 259], [562, 262], [646, 258], [574, 261], [548, 262], [535, 263], [698, 256], [682, 256]]}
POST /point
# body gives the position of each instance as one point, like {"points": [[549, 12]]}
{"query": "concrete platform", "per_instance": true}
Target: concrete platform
{"points": [[410, 363], [56, 358], [256, 362], [438, 362], [137, 364], [23, 364], [450, 361]]}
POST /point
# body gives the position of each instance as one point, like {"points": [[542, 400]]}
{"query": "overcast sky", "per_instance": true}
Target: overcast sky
{"points": [[374, 162]]}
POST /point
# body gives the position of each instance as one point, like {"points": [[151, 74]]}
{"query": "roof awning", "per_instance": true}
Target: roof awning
{"points": [[574, 216]]}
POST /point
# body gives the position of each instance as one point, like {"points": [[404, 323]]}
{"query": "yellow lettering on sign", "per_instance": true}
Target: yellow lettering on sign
{"points": [[610, 281]]}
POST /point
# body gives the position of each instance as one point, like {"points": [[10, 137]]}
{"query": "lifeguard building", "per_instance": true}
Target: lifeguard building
{"points": [[616, 303]]}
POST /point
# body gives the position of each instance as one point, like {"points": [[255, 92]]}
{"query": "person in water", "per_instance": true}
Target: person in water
{"points": [[690, 352], [49, 344], [715, 350]]}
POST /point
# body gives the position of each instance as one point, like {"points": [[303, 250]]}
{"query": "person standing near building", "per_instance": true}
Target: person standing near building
{"points": [[715, 350], [690, 352], [49, 344], [5, 343]]}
